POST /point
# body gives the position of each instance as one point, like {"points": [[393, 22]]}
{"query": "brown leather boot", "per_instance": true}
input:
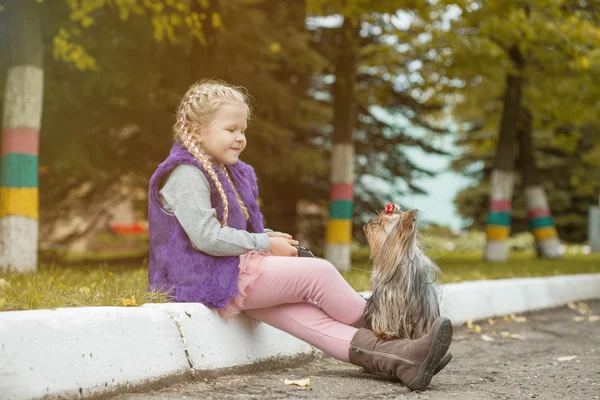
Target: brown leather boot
{"points": [[411, 361], [362, 323]]}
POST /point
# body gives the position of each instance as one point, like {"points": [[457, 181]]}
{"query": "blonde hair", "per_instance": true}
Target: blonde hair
{"points": [[195, 113]]}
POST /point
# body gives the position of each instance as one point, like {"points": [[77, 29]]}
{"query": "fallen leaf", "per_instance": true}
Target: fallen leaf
{"points": [[594, 318], [582, 305], [298, 382], [578, 318], [129, 302], [518, 319], [494, 332], [491, 321], [566, 358], [477, 329], [505, 333], [487, 338], [506, 318], [470, 324], [517, 337]]}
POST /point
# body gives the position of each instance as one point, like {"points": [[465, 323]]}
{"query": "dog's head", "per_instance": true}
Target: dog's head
{"points": [[391, 234]]}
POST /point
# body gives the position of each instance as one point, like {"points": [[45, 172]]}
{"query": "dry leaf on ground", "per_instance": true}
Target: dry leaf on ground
{"points": [[129, 302], [516, 336], [566, 358], [487, 338], [594, 318], [298, 382], [512, 335], [579, 318], [580, 307], [518, 319]]}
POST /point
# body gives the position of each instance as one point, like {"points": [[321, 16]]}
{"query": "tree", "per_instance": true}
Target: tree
{"points": [[123, 112], [20, 138], [527, 47], [365, 73], [23, 99]]}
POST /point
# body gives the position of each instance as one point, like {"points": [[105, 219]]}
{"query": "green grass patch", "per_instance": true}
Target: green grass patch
{"points": [[104, 285], [458, 267], [54, 286]]}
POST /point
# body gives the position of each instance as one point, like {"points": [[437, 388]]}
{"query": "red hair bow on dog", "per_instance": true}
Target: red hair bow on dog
{"points": [[390, 208]]}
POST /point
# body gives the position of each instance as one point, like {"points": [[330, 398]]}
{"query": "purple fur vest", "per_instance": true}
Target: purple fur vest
{"points": [[175, 265]]}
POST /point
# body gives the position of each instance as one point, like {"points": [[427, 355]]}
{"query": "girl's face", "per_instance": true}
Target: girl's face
{"points": [[225, 139]]}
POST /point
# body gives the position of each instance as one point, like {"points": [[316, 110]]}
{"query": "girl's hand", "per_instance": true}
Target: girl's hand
{"points": [[279, 234], [280, 246]]}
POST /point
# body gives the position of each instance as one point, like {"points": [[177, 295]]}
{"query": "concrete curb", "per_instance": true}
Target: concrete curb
{"points": [[88, 351], [75, 352], [485, 299]]}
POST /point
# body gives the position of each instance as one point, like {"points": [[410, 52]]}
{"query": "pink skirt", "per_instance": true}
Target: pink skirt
{"points": [[250, 269]]}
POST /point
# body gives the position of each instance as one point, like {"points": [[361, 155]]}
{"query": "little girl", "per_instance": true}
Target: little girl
{"points": [[208, 245]]}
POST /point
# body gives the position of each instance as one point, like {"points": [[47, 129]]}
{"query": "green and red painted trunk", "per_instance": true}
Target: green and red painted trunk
{"points": [[338, 236], [538, 210], [20, 139], [541, 223], [502, 179], [498, 222]]}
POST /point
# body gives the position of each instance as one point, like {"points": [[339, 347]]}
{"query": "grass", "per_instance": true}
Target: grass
{"points": [[458, 267], [103, 285], [54, 286]]}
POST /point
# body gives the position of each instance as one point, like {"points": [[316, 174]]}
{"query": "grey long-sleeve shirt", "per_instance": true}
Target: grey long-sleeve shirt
{"points": [[186, 193]]}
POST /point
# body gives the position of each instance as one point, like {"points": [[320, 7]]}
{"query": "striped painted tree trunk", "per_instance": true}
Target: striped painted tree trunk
{"points": [[538, 211], [541, 223], [498, 222], [20, 139], [501, 190], [338, 236]]}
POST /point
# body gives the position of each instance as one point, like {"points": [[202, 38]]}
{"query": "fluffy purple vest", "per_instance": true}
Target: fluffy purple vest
{"points": [[175, 265]]}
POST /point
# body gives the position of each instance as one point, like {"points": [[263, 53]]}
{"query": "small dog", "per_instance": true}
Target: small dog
{"points": [[404, 301]]}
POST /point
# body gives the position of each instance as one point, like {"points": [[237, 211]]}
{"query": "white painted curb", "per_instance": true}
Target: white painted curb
{"points": [[70, 352], [486, 299]]}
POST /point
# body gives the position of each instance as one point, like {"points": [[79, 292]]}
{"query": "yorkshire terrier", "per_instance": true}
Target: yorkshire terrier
{"points": [[404, 301]]}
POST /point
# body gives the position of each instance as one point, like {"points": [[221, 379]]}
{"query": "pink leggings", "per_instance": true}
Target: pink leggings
{"points": [[279, 297]]}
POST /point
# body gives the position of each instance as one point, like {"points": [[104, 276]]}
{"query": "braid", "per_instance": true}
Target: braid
{"points": [[189, 144], [237, 194], [197, 111]]}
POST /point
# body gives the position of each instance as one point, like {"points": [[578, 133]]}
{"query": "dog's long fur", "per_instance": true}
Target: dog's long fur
{"points": [[404, 301]]}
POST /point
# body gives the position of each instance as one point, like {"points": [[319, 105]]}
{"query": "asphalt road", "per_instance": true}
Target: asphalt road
{"points": [[553, 354]]}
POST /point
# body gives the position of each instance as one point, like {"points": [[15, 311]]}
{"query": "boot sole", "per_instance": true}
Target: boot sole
{"points": [[442, 338], [447, 358]]}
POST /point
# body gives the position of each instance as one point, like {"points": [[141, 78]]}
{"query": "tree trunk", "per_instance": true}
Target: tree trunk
{"points": [[339, 227], [538, 212], [498, 222], [281, 213], [20, 138]]}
